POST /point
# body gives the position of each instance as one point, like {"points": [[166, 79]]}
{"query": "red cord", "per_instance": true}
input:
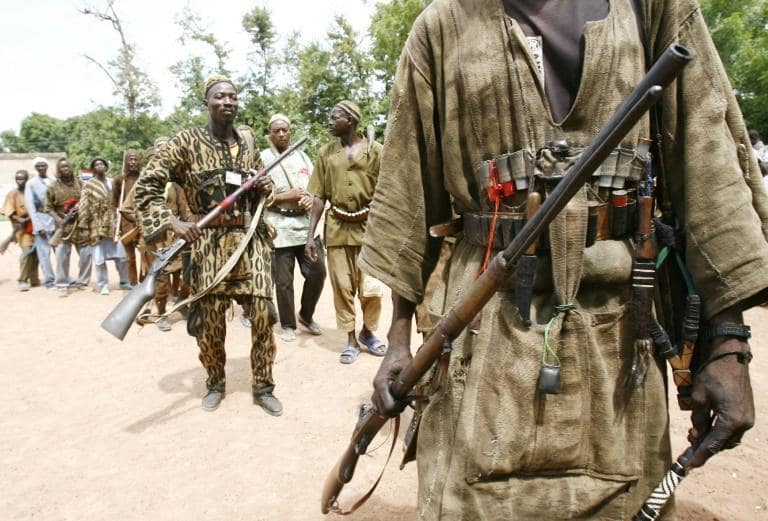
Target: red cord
{"points": [[495, 193]]}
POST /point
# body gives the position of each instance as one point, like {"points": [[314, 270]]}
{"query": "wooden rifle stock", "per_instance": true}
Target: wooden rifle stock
{"points": [[58, 235], [120, 200], [11, 238], [646, 93], [119, 320]]}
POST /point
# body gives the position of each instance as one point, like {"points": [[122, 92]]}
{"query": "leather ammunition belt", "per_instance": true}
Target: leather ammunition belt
{"points": [[519, 167], [605, 222], [222, 221], [288, 212], [350, 217], [477, 228]]}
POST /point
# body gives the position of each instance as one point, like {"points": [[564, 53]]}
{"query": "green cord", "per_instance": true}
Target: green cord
{"points": [[560, 308], [663, 254]]}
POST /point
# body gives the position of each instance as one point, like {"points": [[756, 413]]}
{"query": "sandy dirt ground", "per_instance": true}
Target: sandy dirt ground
{"points": [[96, 429]]}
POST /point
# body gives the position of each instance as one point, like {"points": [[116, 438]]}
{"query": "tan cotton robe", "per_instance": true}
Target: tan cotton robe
{"points": [[467, 89]]}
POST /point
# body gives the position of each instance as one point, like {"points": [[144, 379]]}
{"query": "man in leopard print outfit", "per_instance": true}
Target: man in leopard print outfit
{"points": [[209, 163]]}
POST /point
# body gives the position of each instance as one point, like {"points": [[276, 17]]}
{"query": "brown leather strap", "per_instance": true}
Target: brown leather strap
{"points": [[221, 221], [447, 229], [479, 227], [336, 509], [289, 212]]}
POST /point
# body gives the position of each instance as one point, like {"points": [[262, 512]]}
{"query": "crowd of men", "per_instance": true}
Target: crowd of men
{"points": [[248, 252], [53, 215], [554, 407]]}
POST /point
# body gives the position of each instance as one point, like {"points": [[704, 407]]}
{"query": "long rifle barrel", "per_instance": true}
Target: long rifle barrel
{"points": [[646, 93]]}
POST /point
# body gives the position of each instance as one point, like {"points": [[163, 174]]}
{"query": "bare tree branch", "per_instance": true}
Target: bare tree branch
{"points": [[100, 66], [109, 15]]}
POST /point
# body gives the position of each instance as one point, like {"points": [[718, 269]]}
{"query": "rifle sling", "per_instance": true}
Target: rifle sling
{"points": [[336, 509]]}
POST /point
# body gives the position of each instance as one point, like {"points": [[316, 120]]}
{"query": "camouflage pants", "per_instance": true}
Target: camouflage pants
{"points": [[211, 312]]}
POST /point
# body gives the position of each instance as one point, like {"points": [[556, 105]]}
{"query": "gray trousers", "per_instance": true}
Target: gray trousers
{"points": [[43, 250], [63, 254]]}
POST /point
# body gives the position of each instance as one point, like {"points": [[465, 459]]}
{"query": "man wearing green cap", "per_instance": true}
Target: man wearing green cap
{"points": [[345, 175], [228, 259]]}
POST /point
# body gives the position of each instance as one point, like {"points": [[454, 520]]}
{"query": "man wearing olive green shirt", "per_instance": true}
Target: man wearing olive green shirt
{"points": [[345, 175]]}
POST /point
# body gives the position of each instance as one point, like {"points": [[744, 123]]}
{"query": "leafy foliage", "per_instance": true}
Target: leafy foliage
{"points": [[390, 24], [258, 85], [324, 73], [192, 70], [302, 79], [738, 29]]}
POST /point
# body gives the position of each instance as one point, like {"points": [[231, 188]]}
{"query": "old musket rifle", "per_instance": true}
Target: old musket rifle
{"points": [[12, 236], [120, 202], [646, 93], [119, 321]]}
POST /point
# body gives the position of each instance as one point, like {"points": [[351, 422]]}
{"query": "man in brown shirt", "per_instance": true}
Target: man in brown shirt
{"points": [[15, 210], [61, 200], [345, 175], [121, 186]]}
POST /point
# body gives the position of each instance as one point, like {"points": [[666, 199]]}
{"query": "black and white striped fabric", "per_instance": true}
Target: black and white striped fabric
{"points": [[655, 503]]}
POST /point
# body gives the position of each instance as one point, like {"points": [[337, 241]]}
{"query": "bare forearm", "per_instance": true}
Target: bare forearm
{"points": [[318, 205], [399, 335], [289, 196]]}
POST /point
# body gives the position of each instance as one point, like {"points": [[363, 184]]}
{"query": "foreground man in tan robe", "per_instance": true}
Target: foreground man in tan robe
{"points": [[487, 79]]}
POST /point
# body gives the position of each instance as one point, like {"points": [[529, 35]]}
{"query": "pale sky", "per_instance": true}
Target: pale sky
{"points": [[42, 43]]}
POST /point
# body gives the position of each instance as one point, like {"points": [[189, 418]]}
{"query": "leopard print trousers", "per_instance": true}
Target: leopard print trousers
{"points": [[213, 317]]}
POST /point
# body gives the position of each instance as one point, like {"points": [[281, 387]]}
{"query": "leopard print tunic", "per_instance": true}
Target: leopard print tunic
{"points": [[199, 163]]}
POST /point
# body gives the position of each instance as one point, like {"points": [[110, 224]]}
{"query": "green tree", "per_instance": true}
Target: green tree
{"points": [[42, 133], [258, 94], [326, 73], [193, 31], [191, 71], [738, 29], [190, 79], [107, 133], [390, 24], [9, 142], [103, 132], [389, 27], [37, 133]]}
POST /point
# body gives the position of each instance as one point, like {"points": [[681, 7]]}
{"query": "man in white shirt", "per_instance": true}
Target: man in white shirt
{"points": [[289, 215], [43, 225]]}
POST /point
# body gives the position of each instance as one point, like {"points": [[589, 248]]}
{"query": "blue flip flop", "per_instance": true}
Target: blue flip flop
{"points": [[375, 346], [349, 355]]}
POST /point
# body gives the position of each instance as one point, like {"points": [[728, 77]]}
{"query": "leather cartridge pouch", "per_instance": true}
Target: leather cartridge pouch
{"points": [[477, 227], [214, 186]]}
